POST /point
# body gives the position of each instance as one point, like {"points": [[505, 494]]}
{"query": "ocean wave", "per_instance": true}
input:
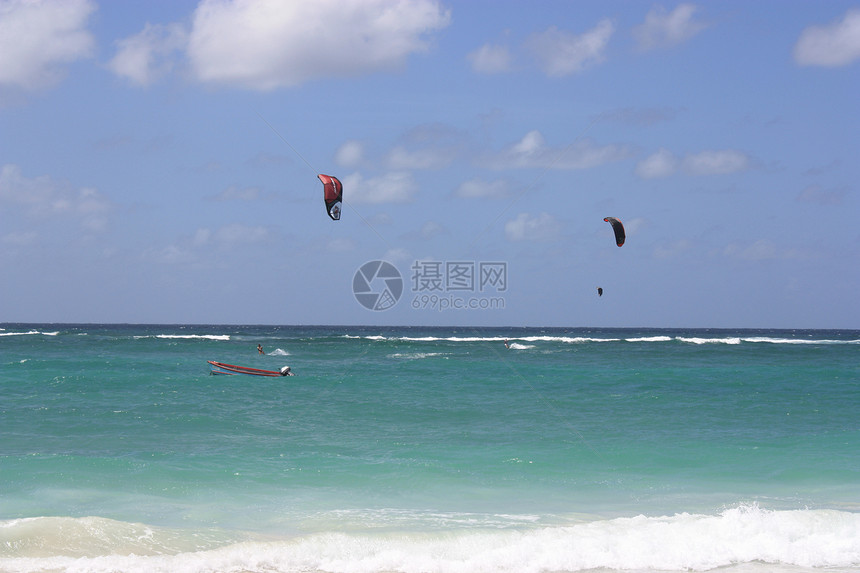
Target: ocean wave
{"points": [[729, 340], [415, 355], [28, 333], [797, 340], [278, 352], [187, 336], [744, 538], [696, 340], [566, 339], [762, 339]]}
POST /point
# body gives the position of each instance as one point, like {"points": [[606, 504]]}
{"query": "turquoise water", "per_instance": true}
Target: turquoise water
{"points": [[428, 449]]}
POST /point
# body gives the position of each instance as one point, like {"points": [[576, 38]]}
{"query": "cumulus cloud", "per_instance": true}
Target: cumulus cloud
{"points": [[489, 59], [396, 187], [527, 227], [149, 55], [532, 151], [661, 164], [837, 44], [350, 154], [37, 38], [561, 53], [664, 163], [44, 197], [266, 44], [663, 29]]}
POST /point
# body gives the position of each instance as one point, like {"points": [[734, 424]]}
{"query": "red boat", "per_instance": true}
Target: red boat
{"points": [[222, 368]]}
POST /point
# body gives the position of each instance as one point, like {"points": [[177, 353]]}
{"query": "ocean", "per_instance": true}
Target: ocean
{"points": [[428, 450]]}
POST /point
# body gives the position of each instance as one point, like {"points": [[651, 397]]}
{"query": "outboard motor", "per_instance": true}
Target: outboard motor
{"points": [[285, 371]]}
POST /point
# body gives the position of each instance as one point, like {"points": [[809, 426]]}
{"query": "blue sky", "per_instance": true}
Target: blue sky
{"points": [[158, 161]]}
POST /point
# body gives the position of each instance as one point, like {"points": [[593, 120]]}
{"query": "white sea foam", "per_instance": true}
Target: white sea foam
{"points": [[29, 333], [650, 339], [696, 340], [744, 538], [194, 336], [566, 339], [279, 352], [415, 355], [797, 340]]}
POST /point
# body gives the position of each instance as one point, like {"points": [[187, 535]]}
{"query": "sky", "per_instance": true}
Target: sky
{"points": [[159, 161]]}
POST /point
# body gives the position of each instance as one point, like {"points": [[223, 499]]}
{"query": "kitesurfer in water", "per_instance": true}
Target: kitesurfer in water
{"points": [[506, 344], [260, 349]]}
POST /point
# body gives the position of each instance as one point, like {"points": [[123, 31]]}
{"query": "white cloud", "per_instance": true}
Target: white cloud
{"points": [[561, 53], [672, 250], [238, 234], [480, 189], [817, 194], [401, 158], [426, 146], [527, 227], [23, 239], [340, 245], [763, 250], [193, 249], [398, 187], [201, 237], [663, 163], [489, 59], [44, 197], [266, 44], [397, 255], [531, 151], [147, 56], [38, 37], [171, 255], [350, 154], [662, 29], [837, 44], [716, 162], [432, 229]]}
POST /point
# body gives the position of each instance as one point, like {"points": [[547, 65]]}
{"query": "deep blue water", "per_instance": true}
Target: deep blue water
{"points": [[428, 449]]}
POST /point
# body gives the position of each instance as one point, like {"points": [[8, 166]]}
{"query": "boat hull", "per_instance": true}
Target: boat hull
{"points": [[232, 369]]}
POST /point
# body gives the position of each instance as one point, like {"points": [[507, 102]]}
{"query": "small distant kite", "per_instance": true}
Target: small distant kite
{"points": [[618, 228], [333, 195], [599, 291]]}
